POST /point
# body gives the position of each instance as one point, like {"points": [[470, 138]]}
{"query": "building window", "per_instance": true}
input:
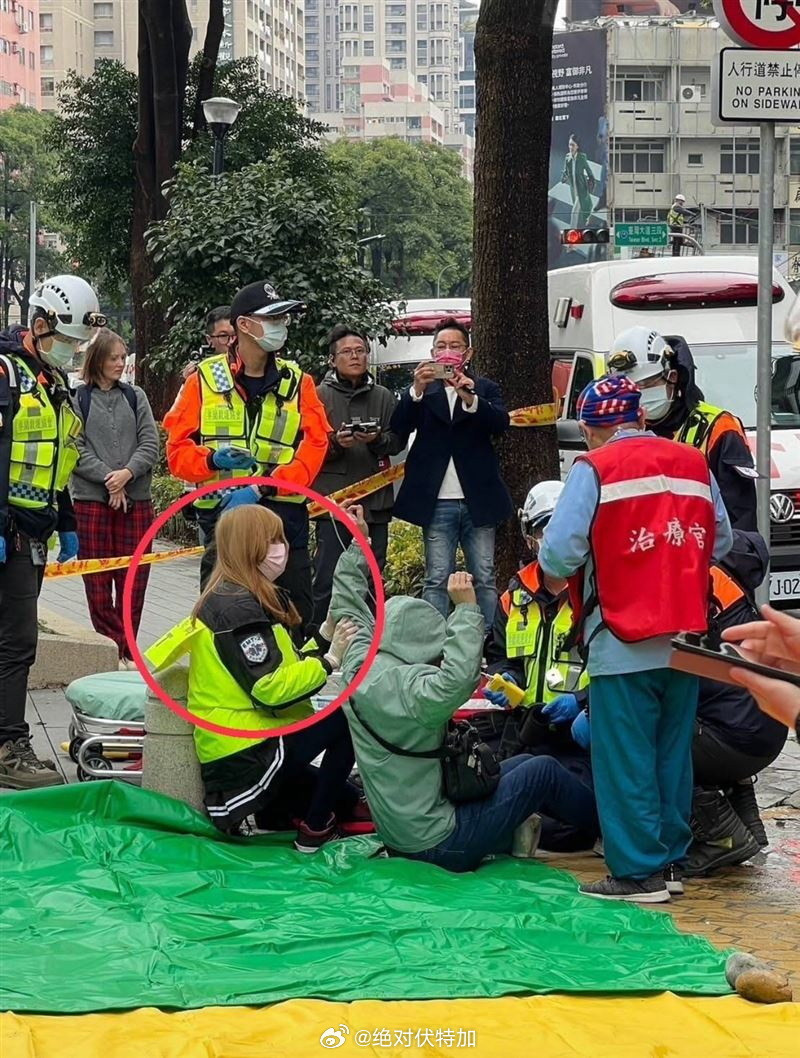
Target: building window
{"points": [[640, 216], [312, 40], [312, 73], [350, 49], [395, 10], [414, 123], [46, 23], [633, 156], [369, 47], [31, 60], [397, 64], [46, 55], [741, 232], [794, 156], [422, 16], [312, 22], [368, 18], [104, 38], [312, 56], [349, 18], [395, 29], [467, 97], [694, 159], [633, 88], [440, 52], [104, 10], [48, 86], [422, 53], [439, 16], [396, 47], [739, 156]]}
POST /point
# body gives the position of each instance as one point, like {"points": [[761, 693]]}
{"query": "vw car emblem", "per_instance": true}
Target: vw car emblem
{"points": [[781, 508]]}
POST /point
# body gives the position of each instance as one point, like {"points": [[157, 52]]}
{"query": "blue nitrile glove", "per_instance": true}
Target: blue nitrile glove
{"points": [[500, 697], [562, 709], [239, 499], [581, 730], [225, 458], [69, 546], [2, 550]]}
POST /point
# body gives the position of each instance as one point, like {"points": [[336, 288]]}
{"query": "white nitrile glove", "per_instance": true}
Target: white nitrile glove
{"points": [[344, 632]]}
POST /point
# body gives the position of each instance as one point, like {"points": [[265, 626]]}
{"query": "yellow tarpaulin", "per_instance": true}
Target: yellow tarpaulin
{"points": [[554, 1026]]}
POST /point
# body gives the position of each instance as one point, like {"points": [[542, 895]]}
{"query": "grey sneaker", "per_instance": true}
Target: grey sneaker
{"points": [[652, 890], [21, 769]]}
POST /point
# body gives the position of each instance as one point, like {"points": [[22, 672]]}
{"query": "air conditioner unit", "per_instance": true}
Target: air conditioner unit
{"points": [[689, 93]]}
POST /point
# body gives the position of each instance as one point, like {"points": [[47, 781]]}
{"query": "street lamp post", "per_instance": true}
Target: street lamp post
{"points": [[439, 277], [220, 113]]}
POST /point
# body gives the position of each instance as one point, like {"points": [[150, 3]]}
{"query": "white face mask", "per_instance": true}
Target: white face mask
{"points": [[60, 354], [655, 402], [273, 336]]}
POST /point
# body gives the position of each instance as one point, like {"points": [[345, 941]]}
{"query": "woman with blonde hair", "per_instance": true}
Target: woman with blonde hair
{"points": [[245, 673], [111, 485]]}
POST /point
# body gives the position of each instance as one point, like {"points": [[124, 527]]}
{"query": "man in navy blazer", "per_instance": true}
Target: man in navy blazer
{"points": [[452, 485]]}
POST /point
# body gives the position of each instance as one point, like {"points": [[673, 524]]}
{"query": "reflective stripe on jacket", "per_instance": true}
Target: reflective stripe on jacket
{"points": [[539, 641], [705, 425], [652, 539], [43, 449]]}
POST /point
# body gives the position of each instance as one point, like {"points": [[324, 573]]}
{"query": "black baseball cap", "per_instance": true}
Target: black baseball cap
{"points": [[262, 299]]}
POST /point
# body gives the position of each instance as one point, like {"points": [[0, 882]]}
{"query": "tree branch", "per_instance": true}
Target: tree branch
{"points": [[208, 64]]}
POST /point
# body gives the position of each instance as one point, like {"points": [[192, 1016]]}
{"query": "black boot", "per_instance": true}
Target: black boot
{"points": [[720, 837], [742, 797]]}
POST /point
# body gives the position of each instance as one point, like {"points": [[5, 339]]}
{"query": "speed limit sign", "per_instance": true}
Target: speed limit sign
{"points": [[760, 23]]}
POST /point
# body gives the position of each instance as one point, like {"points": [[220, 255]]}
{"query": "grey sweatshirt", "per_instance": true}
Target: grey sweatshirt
{"points": [[114, 438]]}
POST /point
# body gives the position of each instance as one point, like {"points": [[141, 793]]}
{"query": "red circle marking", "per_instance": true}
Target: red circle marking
{"points": [[742, 29], [176, 707]]}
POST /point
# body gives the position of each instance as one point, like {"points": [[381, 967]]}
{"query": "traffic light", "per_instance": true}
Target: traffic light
{"points": [[585, 236]]}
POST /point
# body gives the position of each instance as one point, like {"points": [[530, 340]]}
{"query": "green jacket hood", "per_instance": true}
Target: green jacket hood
{"points": [[414, 632]]}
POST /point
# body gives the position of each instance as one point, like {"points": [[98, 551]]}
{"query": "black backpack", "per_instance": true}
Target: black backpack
{"points": [[84, 397]]}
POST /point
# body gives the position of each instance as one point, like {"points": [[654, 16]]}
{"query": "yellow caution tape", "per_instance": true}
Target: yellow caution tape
{"points": [[106, 565], [534, 415]]}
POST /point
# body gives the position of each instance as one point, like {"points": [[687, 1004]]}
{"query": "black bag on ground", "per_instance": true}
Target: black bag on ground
{"points": [[470, 771]]}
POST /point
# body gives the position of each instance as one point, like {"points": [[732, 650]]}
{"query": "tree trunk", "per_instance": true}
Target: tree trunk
{"points": [[513, 45], [165, 35], [208, 64]]}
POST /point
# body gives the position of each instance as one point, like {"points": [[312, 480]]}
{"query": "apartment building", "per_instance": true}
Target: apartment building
{"points": [[77, 33], [19, 53], [418, 37], [468, 16], [662, 142]]}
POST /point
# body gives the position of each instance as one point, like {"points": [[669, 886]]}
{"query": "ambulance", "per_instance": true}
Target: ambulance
{"points": [[711, 302]]}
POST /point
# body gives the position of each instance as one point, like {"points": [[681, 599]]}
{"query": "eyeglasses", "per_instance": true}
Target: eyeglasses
{"points": [[359, 353]]}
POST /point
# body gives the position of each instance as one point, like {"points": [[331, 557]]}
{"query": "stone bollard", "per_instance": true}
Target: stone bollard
{"points": [[170, 765]]}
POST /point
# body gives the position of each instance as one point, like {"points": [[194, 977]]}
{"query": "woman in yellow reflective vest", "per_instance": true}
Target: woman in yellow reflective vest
{"points": [[245, 673]]}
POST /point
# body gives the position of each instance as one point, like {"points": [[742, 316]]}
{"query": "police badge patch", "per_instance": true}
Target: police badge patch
{"points": [[255, 648]]}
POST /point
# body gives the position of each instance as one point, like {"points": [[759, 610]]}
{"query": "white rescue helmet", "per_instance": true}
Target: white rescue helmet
{"points": [[539, 506], [680, 198], [70, 306], [640, 354]]}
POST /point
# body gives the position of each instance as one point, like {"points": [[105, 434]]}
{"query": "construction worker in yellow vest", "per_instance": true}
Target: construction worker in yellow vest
{"points": [[38, 431], [251, 412], [529, 642], [675, 408]]}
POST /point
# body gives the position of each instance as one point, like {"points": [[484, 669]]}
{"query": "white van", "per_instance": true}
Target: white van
{"points": [[711, 302], [413, 335]]}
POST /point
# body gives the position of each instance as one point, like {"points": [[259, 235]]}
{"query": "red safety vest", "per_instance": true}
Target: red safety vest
{"points": [[651, 539]]}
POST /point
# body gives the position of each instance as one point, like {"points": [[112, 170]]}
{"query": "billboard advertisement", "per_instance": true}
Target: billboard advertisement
{"points": [[578, 145]]}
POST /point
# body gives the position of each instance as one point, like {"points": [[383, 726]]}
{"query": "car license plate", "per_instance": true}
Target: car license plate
{"points": [[784, 587]]}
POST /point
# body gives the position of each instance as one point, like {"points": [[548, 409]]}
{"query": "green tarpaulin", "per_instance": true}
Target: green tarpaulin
{"points": [[114, 897]]}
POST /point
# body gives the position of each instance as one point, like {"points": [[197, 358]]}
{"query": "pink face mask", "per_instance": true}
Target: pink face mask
{"points": [[275, 562], [447, 357]]}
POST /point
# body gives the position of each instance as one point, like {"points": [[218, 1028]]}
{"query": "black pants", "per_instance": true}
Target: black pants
{"points": [[20, 584], [295, 579], [718, 765], [677, 242], [330, 736], [332, 540]]}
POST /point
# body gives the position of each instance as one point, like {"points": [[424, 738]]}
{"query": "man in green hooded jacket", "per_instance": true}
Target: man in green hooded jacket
{"points": [[427, 668]]}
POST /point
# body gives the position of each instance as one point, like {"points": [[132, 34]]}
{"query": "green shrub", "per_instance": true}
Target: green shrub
{"points": [[405, 560], [165, 491]]}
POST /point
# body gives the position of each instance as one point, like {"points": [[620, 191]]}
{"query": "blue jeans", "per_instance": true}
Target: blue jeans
{"points": [[450, 526], [527, 785], [642, 730]]}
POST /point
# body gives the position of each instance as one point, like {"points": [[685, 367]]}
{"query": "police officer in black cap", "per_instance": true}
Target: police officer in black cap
{"points": [[253, 412]]}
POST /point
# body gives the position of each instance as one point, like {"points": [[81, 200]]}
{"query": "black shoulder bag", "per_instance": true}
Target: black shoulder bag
{"points": [[470, 771]]}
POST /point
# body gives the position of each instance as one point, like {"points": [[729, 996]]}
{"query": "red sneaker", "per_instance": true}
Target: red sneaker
{"points": [[308, 840], [359, 821]]}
